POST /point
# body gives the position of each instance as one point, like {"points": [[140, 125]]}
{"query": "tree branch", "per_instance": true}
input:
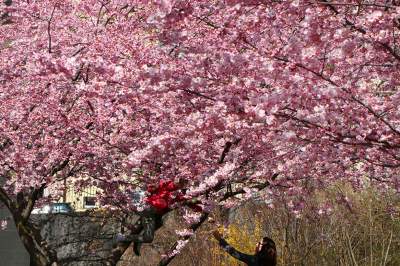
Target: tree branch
{"points": [[5, 199], [227, 148], [204, 215], [166, 260], [49, 29]]}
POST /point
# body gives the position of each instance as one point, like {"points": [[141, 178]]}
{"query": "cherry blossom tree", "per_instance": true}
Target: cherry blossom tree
{"points": [[238, 97]]}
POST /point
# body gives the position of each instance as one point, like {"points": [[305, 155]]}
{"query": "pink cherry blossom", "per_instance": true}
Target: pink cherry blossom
{"points": [[232, 96]]}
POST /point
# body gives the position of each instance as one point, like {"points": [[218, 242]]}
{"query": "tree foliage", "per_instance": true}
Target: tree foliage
{"points": [[238, 94]]}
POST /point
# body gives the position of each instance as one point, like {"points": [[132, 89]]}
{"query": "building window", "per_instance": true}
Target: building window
{"points": [[89, 202]]}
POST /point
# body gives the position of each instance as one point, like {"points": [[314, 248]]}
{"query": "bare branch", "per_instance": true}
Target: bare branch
{"points": [[49, 29], [226, 150], [5, 199]]}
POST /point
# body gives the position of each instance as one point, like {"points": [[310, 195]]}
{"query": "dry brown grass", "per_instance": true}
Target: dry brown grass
{"points": [[360, 233]]}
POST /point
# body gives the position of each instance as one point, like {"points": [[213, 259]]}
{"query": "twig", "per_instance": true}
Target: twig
{"points": [[49, 28], [388, 247], [353, 258], [166, 260]]}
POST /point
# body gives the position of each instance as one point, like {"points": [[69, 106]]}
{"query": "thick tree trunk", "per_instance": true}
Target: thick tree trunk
{"points": [[121, 247], [21, 207], [40, 254], [117, 253]]}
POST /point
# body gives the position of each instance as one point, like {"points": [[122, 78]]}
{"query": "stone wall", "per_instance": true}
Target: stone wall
{"points": [[83, 239], [80, 239]]}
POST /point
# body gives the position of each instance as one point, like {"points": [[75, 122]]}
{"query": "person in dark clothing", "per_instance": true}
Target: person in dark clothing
{"points": [[265, 254], [161, 197], [150, 220]]}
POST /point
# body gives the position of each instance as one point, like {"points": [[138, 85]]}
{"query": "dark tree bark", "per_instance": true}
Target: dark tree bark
{"points": [[21, 208], [40, 254], [121, 247]]}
